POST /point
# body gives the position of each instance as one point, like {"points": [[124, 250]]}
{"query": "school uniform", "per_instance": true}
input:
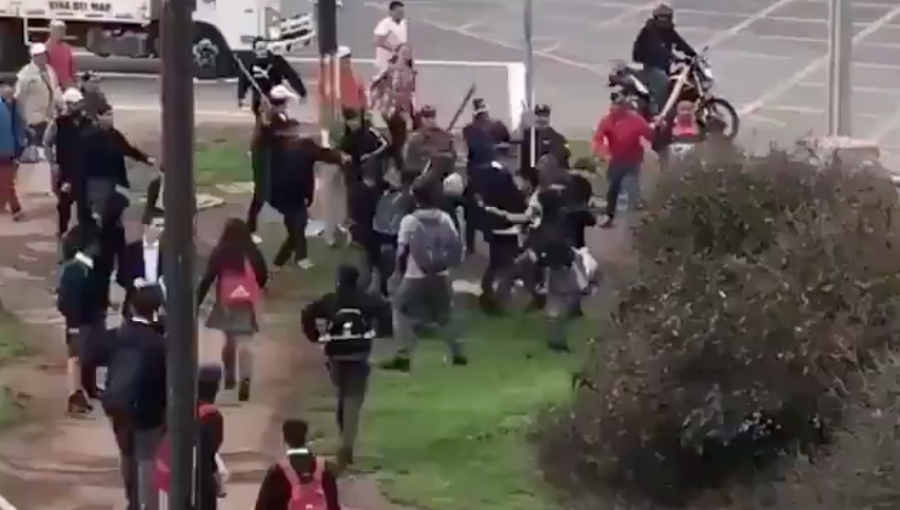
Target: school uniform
{"points": [[135, 401], [275, 489], [103, 164], [140, 263]]}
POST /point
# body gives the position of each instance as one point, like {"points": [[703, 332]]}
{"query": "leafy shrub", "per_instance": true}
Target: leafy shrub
{"points": [[766, 297]]}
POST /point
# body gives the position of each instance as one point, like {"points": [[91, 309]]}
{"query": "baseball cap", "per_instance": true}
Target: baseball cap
{"points": [[72, 95], [37, 49], [280, 92]]}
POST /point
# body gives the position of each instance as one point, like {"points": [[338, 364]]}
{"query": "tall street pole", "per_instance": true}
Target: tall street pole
{"points": [[840, 61], [177, 35], [329, 67], [528, 22]]}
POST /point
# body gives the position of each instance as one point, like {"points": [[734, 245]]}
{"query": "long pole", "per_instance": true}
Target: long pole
{"points": [[178, 239], [840, 60], [529, 75]]}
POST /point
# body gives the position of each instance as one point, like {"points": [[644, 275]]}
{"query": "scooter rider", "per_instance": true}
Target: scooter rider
{"points": [[548, 141], [654, 47]]}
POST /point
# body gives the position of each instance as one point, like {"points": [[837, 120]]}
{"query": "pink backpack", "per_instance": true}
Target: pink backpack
{"points": [[237, 288], [306, 495]]}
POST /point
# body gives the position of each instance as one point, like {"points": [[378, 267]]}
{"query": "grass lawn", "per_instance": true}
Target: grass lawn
{"points": [[448, 437], [12, 348], [221, 161]]}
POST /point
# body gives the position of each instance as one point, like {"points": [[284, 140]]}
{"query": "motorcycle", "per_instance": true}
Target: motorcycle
{"points": [[691, 79]]}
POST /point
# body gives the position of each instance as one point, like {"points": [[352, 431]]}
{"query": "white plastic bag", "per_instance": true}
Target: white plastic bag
{"points": [[585, 266]]}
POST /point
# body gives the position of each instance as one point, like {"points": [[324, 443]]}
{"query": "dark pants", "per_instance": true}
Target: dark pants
{"points": [[398, 130], [502, 251], [75, 196], [259, 162], [36, 134], [137, 455], [379, 251], [616, 174], [351, 380], [472, 212], [78, 344], [295, 244]]}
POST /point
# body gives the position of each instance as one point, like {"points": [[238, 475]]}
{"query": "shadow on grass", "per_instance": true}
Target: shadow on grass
{"points": [[13, 348]]}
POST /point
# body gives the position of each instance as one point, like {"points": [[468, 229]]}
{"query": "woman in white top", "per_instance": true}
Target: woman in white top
{"points": [[390, 34]]}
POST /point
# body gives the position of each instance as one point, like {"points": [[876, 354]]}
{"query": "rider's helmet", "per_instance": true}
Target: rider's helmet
{"points": [[663, 14]]}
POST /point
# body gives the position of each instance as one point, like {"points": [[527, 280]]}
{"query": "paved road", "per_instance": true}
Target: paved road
{"points": [[768, 56]]}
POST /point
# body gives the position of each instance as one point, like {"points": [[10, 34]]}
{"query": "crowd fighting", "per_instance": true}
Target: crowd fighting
{"points": [[420, 199]]}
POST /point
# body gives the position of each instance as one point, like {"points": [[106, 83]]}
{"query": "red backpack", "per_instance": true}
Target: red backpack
{"points": [[237, 288], [163, 453], [305, 495]]}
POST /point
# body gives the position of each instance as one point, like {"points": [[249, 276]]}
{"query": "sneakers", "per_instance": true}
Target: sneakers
{"points": [[79, 404], [458, 360], [305, 264], [397, 364], [608, 224], [257, 239], [244, 390]]}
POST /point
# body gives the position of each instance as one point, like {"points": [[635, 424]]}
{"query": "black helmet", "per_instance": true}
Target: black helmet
{"points": [[427, 111], [663, 11], [542, 109]]}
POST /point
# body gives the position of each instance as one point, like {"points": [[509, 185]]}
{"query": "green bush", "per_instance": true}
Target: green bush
{"points": [[741, 353]]}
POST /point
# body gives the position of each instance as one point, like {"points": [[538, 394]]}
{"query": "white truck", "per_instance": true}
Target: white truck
{"points": [[130, 28]]}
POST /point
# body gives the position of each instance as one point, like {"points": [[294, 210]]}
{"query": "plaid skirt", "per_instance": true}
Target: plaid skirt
{"points": [[237, 320]]}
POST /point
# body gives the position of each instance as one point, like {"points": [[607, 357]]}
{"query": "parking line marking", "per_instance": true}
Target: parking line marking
{"points": [[626, 13], [800, 76], [746, 22]]}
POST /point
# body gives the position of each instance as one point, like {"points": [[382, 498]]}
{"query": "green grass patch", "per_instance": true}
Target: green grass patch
{"points": [[12, 348], [222, 161], [449, 438]]}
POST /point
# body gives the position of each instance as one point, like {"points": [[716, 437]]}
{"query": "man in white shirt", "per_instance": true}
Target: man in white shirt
{"points": [[390, 33]]}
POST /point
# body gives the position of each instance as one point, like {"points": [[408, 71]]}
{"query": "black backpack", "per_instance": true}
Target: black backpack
{"points": [[348, 324]]}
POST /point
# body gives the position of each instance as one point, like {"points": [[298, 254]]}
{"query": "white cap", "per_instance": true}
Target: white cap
{"points": [[58, 23], [344, 51], [454, 185], [281, 92], [37, 49], [72, 95]]}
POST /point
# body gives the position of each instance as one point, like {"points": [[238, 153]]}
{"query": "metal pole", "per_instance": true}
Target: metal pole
{"points": [[177, 36], [529, 74], [840, 61]]}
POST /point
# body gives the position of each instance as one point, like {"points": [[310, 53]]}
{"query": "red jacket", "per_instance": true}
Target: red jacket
{"points": [[620, 134]]}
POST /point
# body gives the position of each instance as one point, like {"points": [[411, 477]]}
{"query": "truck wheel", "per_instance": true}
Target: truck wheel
{"points": [[13, 50], [212, 57]]}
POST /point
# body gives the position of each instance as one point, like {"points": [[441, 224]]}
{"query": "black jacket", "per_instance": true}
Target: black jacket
{"points": [[362, 206], [497, 188], [135, 357], [362, 145], [293, 177], [214, 267], [131, 267], [268, 72], [67, 147], [654, 45], [83, 292], [484, 140], [373, 310], [275, 490], [547, 141], [104, 152]]}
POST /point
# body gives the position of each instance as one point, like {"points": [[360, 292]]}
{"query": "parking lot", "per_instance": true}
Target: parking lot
{"points": [[769, 57]]}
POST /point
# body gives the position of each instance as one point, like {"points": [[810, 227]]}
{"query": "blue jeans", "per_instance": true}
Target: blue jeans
{"points": [[657, 80], [622, 176]]}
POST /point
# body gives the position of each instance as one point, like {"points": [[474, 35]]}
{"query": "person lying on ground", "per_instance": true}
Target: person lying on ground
{"points": [[352, 318], [300, 480], [238, 269]]}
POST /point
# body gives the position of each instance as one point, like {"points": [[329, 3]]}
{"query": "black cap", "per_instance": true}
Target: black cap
{"points": [[542, 109]]}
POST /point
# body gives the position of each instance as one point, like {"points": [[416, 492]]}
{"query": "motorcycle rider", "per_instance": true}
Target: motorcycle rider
{"points": [[548, 141], [653, 48]]}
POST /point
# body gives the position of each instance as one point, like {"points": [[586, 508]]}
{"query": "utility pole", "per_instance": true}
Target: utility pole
{"points": [[528, 22], [329, 66], [179, 203], [840, 61]]}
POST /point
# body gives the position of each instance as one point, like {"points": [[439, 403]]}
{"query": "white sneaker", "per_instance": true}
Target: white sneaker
{"points": [[257, 239], [305, 264]]}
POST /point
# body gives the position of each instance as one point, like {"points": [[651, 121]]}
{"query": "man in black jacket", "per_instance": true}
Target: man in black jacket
{"points": [[361, 145], [313, 473], [294, 159], [654, 47], [141, 262], [547, 141], [353, 317], [262, 143], [267, 70], [103, 161], [62, 142], [135, 396]]}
